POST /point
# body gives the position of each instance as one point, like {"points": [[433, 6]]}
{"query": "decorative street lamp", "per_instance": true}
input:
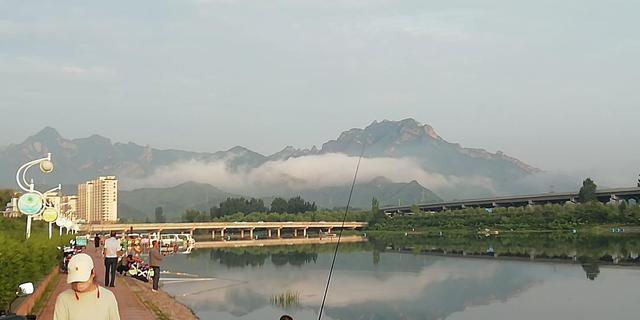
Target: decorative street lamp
{"points": [[32, 202], [61, 222], [50, 213]]}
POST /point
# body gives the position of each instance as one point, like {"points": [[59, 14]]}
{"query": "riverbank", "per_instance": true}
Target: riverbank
{"points": [[278, 242]]}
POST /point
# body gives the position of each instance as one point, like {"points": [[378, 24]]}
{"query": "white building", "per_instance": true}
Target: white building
{"points": [[98, 200]]}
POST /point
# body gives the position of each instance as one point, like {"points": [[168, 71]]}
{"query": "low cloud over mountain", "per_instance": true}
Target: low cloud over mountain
{"points": [[400, 151], [303, 173]]}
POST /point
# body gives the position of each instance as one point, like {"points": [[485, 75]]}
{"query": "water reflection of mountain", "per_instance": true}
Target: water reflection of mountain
{"points": [[399, 278], [419, 287], [443, 298], [592, 270]]}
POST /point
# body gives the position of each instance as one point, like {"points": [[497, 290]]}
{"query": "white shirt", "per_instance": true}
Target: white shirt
{"points": [[111, 247], [86, 305]]}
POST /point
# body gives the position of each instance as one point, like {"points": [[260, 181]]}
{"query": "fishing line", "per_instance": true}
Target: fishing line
{"points": [[344, 219]]}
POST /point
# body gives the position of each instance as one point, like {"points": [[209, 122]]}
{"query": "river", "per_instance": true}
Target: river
{"points": [[416, 278]]}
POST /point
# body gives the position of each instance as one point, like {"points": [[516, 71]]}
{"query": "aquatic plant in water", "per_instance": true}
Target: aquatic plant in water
{"points": [[286, 299]]}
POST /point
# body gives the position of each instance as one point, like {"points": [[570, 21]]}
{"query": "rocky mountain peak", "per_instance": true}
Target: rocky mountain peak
{"points": [[46, 135]]}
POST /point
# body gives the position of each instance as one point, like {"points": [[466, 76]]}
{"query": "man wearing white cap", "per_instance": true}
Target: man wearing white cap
{"points": [[85, 299]]}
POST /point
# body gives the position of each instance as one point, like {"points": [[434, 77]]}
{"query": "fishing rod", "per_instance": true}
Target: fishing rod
{"points": [[344, 219]]}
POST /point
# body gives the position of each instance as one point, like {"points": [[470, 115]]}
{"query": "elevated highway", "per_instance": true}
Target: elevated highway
{"points": [[603, 195], [218, 229]]}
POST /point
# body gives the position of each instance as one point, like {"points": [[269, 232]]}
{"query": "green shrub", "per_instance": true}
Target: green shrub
{"points": [[25, 260]]}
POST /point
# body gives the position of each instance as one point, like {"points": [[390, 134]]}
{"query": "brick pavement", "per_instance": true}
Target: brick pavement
{"points": [[128, 304]]}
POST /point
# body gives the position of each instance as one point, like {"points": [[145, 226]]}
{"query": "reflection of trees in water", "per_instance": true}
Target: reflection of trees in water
{"points": [[253, 258], [293, 258], [238, 259], [619, 249]]}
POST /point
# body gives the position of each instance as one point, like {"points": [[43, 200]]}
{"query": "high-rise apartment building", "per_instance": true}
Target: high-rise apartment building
{"points": [[98, 200], [69, 207]]}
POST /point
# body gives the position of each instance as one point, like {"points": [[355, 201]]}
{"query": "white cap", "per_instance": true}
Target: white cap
{"points": [[80, 267]]}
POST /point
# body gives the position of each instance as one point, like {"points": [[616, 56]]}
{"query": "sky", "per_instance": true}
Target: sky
{"points": [[553, 83]]}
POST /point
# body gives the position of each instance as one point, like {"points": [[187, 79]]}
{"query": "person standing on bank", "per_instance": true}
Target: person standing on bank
{"points": [[85, 299], [110, 252], [155, 259]]}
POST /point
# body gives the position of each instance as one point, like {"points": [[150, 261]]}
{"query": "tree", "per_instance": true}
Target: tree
{"points": [[279, 205], [235, 205], [160, 218], [192, 215], [588, 191], [5, 197], [377, 215]]}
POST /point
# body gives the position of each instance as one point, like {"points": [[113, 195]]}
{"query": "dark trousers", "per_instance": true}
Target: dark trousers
{"points": [[156, 277], [110, 270]]}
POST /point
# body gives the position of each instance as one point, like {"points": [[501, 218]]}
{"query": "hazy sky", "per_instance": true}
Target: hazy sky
{"points": [[554, 83]]}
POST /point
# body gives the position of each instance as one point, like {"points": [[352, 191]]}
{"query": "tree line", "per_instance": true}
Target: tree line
{"points": [[242, 206]]}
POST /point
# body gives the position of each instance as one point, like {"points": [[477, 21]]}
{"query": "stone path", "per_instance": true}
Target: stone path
{"points": [[129, 304]]}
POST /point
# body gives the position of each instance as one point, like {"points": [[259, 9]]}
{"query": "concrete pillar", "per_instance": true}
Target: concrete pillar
{"points": [[305, 232], [251, 233], [329, 231], [213, 234], [222, 233], [191, 233], [269, 233], [295, 233], [279, 233], [241, 233]]}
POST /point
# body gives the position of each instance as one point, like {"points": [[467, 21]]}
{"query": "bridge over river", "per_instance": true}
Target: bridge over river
{"points": [[218, 229], [603, 195]]}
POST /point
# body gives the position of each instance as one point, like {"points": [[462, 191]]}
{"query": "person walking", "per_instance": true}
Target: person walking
{"points": [[96, 241], [110, 252], [155, 259], [85, 299]]}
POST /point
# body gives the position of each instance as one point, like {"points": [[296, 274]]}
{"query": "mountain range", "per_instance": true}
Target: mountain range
{"points": [[403, 155]]}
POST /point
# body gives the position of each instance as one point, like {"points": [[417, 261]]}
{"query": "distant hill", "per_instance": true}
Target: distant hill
{"points": [[83, 159], [78, 160], [386, 191], [409, 138], [141, 203]]}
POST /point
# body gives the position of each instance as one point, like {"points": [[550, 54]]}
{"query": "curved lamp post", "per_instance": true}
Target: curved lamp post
{"points": [[51, 219], [32, 202]]}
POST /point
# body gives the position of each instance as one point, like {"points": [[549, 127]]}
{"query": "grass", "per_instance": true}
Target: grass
{"points": [[42, 301], [286, 299], [147, 303], [152, 307]]}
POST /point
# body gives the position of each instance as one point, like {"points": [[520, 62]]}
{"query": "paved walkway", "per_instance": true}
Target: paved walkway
{"points": [[128, 303]]}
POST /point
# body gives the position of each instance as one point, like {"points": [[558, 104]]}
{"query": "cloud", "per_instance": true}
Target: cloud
{"points": [[303, 173], [41, 67]]}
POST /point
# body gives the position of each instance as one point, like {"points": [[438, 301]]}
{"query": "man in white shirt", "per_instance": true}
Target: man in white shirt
{"points": [[110, 252], [85, 299]]}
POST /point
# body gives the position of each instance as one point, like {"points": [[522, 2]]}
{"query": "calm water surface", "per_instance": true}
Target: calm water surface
{"points": [[381, 281]]}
